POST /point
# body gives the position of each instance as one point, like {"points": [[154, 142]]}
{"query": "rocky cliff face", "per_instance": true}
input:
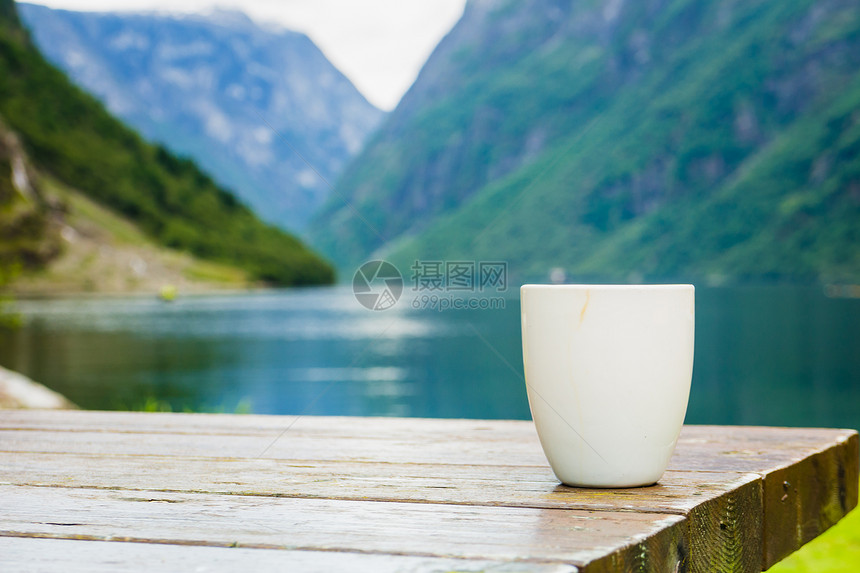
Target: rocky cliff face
{"points": [[246, 103], [29, 221]]}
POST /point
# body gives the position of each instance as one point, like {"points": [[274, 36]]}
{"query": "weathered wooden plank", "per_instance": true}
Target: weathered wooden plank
{"points": [[75, 556], [701, 448], [712, 499], [684, 493], [809, 476], [512, 486], [463, 461], [726, 531], [723, 533], [418, 448], [172, 423], [429, 530], [804, 499], [506, 442], [380, 428], [750, 449], [667, 551]]}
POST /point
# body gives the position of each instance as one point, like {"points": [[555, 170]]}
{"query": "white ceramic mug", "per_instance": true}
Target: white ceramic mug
{"points": [[608, 371]]}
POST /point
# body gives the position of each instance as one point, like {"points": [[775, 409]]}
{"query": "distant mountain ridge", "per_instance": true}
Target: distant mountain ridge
{"points": [[669, 139], [241, 100], [50, 126]]}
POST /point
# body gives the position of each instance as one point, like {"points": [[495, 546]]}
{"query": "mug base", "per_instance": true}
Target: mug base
{"points": [[608, 486]]}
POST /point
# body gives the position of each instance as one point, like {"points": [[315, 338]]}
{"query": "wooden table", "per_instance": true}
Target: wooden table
{"points": [[96, 491]]}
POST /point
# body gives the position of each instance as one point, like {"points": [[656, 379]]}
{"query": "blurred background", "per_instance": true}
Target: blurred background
{"points": [[187, 189]]}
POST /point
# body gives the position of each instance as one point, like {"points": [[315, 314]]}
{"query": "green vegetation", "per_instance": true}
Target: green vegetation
{"points": [[152, 404], [8, 318], [837, 550], [102, 247], [27, 238], [698, 140], [83, 210], [71, 135]]}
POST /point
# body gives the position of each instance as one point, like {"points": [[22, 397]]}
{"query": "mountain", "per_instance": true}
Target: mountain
{"points": [[53, 128], [668, 139], [56, 240], [248, 104]]}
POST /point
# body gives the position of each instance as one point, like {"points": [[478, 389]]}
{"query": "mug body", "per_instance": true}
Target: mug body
{"points": [[608, 371]]}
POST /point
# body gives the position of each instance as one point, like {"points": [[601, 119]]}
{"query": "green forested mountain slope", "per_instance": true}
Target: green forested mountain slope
{"points": [[70, 135], [664, 139]]}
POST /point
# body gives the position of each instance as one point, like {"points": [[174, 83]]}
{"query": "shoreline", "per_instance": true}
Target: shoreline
{"points": [[36, 296], [19, 392]]}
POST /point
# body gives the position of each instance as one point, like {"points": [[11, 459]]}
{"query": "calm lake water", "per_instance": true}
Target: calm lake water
{"points": [[764, 355]]}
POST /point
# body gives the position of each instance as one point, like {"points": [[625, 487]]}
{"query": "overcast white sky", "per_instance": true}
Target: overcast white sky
{"points": [[379, 44]]}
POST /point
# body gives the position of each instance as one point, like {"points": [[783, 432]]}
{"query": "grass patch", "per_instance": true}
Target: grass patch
{"points": [[213, 272], [105, 251], [154, 404], [83, 211]]}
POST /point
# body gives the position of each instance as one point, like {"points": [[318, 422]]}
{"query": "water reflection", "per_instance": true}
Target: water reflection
{"points": [[313, 351], [779, 356], [775, 355]]}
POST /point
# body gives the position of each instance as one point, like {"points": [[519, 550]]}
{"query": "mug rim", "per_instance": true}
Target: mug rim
{"points": [[673, 286]]}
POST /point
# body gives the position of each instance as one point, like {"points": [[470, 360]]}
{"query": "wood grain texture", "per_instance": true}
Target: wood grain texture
{"points": [[511, 486], [804, 499], [726, 531], [391, 440], [750, 449], [76, 556], [473, 490], [668, 550], [428, 530], [809, 476], [761, 455]]}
